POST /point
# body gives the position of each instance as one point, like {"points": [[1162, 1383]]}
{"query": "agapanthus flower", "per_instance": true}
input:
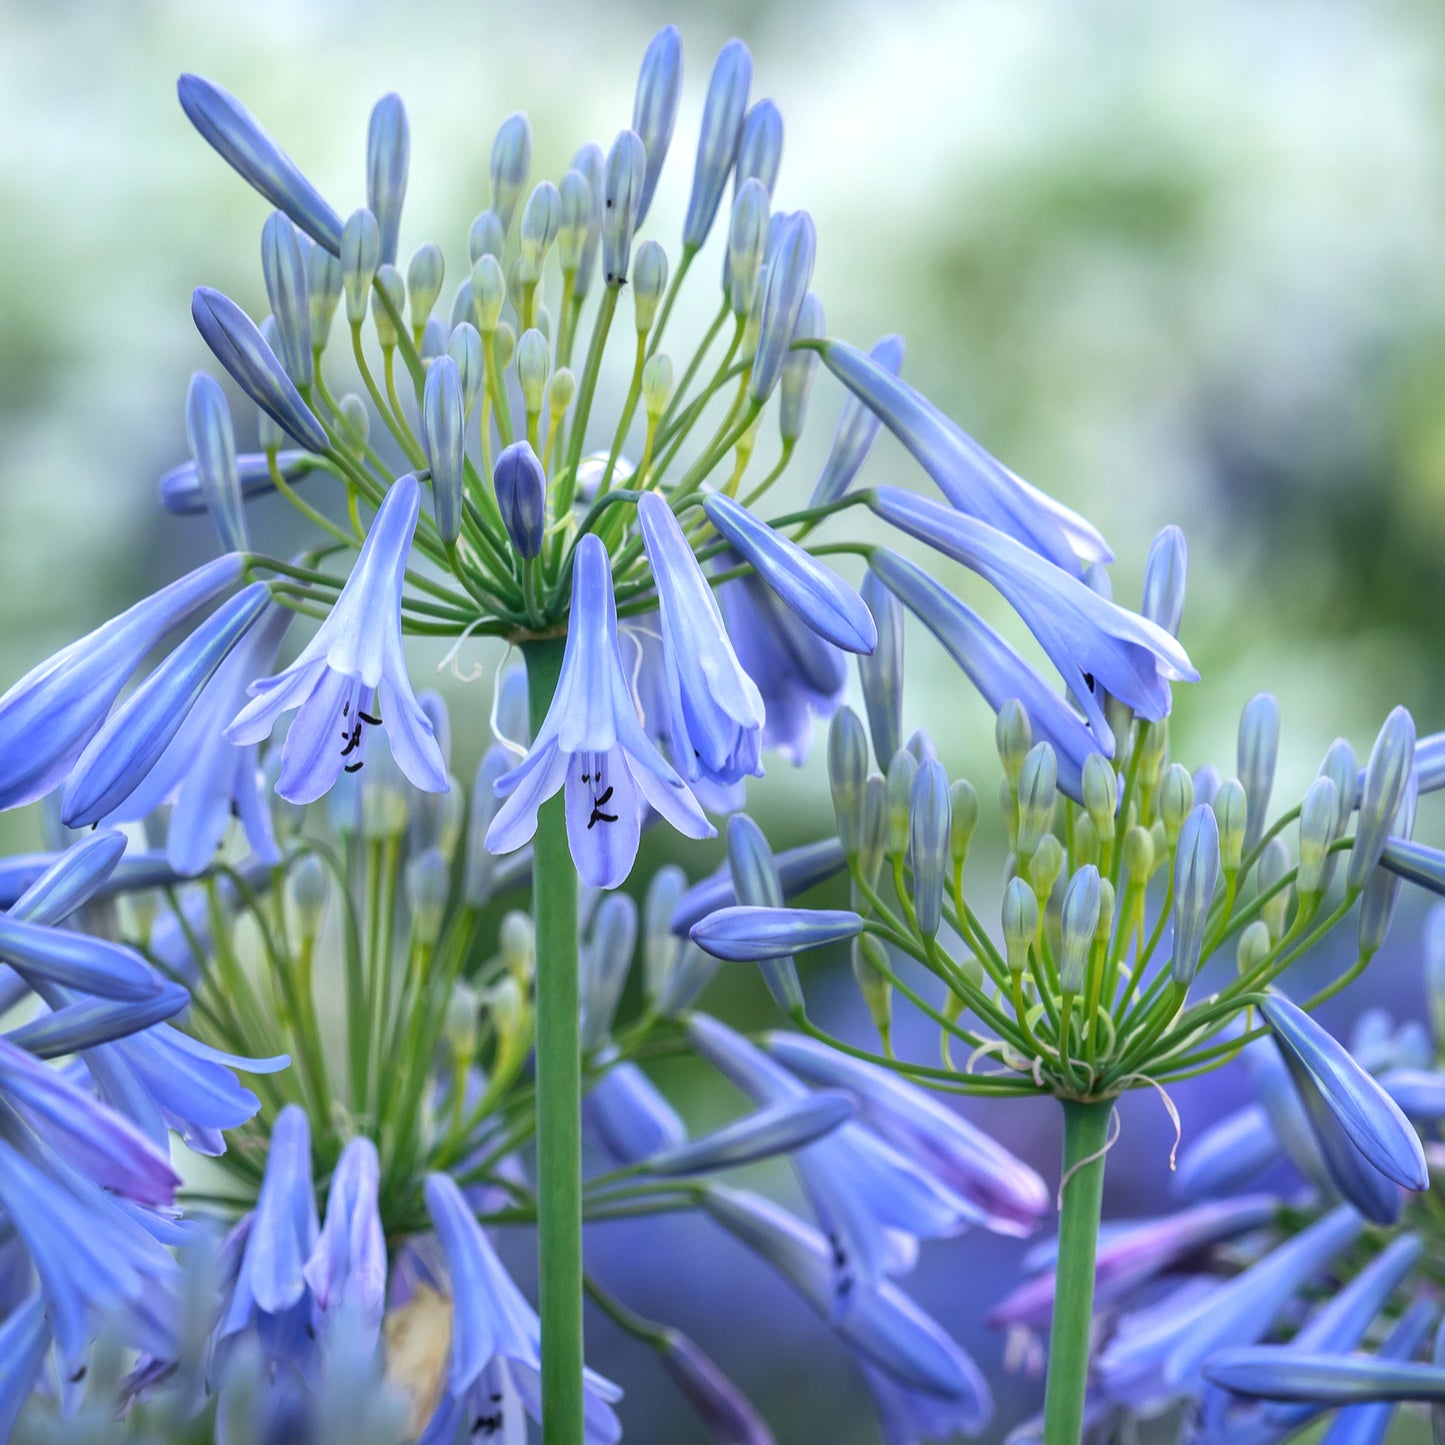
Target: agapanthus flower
{"points": [[592, 743], [353, 663]]}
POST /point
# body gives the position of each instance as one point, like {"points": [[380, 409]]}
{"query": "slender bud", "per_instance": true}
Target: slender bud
{"points": [[928, 838], [1139, 855], [621, 196], [283, 264], [591, 165], [213, 448], [1038, 795], [875, 829], [1046, 866], [1164, 578], [1258, 753], [360, 257], [356, 417], [796, 387], [511, 161], [1196, 872], [657, 384], [323, 287], [1231, 808], [1206, 785], [1254, 946], [1387, 776], [424, 276], [1100, 788], [464, 346], [462, 1025], [717, 144], [388, 151], [444, 433], [521, 487], [857, 430], [760, 146], [789, 273], [649, 284], [755, 883], [881, 671], [541, 220], [1013, 737], [517, 945], [1080, 919], [428, 880], [1176, 798], [575, 213], [1382, 891], [1084, 846], [1020, 923], [901, 772], [654, 111], [1319, 822], [389, 287], [848, 777], [1105, 926], [561, 390], [747, 238], [309, 885], [489, 293], [504, 345], [1343, 770], [1434, 945], [534, 363], [463, 308], [963, 815], [1274, 863]]}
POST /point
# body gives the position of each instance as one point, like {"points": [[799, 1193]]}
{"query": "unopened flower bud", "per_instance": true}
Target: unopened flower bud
{"points": [[928, 840], [901, 772], [1139, 855], [562, 388], [541, 218], [284, 265], [1196, 872], [1231, 808], [424, 276], [657, 384], [1382, 890], [881, 672], [1104, 927], [360, 257], [1254, 946], [1319, 821], [760, 145], [1176, 798], [521, 487], [756, 884], [1046, 866], [649, 283], [1038, 795], [427, 882], [718, 136], [963, 812], [1274, 863], [1258, 753], [606, 960], [213, 449], [309, 885], [356, 417], [486, 237], [389, 288], [789, 274], [1100, 787], [383, 797], [534, 365], [462, 1022], [1013, 737], [1206, 785], [1079, 920], [464, 346], [799, 369], [1084, 845], [433, 339], [1020, 923], [1164, 577], [489, 293], [1434, 945], [323, 287], [388, 154], [511, 161], [591, 165], [575, 214], [877, 992], [1387, 776], [654, 109], [444, 434], [517, 945], [848, 776], [875, 829], [621, 197], [504, 345], [463, 308], [1343, 770], [747, 238]]}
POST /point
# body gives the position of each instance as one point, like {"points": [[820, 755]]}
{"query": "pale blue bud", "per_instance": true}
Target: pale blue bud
{"points": [[604, 963], [388, 153], [780, 1128], [1382, 891], [1013, 737], [1258, 752], [798, 372], [428, 880], [284, 265], [649, 283], [717, 144], [789, 273], [464, 346], [576, 211], [360, 256], [444, 432], [433, 339], [534, 365], [654, 111], [1099, 784], [875, 829], [1341, 766], [1206, 785], [1231, 807], [541, 217], [1319, 822], [591, 165], [1038, 795], [1020, 923], [1080, 919], [881, 671], [1387, 776], [752, 934], [760, 146], [621, 193], [389, 285], [521, 487], [756, 885], [463, 308], [489, 293], [1196, 872], [424, 277], [747, 238], [898, 797], [486, 237], [511, 161], [928, 844], [848, 777], [1176, 798], [323, 286], [213, 448], [1164, 577]]}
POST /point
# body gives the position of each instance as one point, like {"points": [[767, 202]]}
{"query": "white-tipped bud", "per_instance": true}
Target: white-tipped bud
{"points": [[1319, 822], [1038, 796], [657, 385], [390, 288], [1231, 809], [1013, 737], [1176, 798], [649, 283], [1080, 919], [534, 365], [541, 218], [424, 277], [1020, 923], [489, 293], [1258, 753], [511, 161]]}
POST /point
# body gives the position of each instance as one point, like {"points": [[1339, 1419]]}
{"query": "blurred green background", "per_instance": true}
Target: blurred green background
{"points": [[1173, 263]]}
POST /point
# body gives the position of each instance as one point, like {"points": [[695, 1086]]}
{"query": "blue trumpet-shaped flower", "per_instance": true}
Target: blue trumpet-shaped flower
{"points": [[355, 657], [716, 709], [241, 141], [799, 869], [592, 744], [183, 495], [347, 1268], [49, 716], [495, 1334], [1097, 647], [972, 480]]}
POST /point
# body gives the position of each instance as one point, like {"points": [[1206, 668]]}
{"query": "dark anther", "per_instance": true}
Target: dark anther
{"points": [[366, 717], [488, 1424], [1089, 681], [353, 741], [353, 767], [598, 816], [586, 777], [78, 1376]]}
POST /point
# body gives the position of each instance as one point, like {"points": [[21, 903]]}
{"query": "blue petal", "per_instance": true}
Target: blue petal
{"points": [[743, 934]]}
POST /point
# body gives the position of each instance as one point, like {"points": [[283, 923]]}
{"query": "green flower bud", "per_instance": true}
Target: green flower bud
{"points": [[875, 829], [504, 345], [657, 384], [534, 363], [541, 217], [1176, 798], [309, 884], [928, 844], [489, 292], [357, 417], [1013, 737], [963, 799], [1105, 925], [1231, 809], [1046, 865], [1319, 822], [1079, 919], [424, 282], [575, 197], [1274, 863], [1020, 923], [1343, 770], [1038, 795], [1009, 811], [561, 390], [1084, 846], [1139, 855], [848, 777], [649, 283], [517, 945], [901, 772], [390, 286], [1254, 944], [360, 256], [1100, 787], [876, 990], [1054, 917], [462, 1021]]}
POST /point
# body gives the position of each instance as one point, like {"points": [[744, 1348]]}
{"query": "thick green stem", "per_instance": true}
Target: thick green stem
{"points": [[559, 1090], [1086, 1131]]}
